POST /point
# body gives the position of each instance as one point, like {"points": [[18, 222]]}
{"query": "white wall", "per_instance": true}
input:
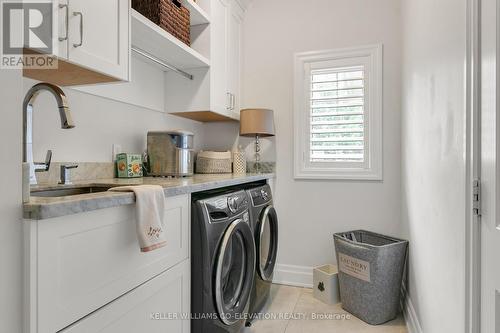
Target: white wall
{"points": [[311, 211], [433, 172], [102, 121], [433, 169], [11, 249]]}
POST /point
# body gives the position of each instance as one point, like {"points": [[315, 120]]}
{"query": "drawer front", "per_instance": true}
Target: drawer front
{"points": [[155, 307], [87, 260]]}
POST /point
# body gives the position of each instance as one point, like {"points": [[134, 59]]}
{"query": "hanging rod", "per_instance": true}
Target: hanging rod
{"points": [[161, 62]]}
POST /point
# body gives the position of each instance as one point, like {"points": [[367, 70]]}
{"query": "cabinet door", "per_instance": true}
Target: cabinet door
{"points": [[155, 307], [87, 260], [99, 36], [218, 56], [59, 32], [234, 57]]}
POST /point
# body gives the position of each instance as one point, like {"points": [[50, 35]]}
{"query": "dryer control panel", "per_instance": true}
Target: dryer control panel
{"points": [[261, 195], [226, 206]]}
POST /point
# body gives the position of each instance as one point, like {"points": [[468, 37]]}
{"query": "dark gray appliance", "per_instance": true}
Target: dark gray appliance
{"points": [[222, 262], [264, 222]]}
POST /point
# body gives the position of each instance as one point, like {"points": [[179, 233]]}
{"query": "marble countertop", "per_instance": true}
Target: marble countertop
{"points": [[40, 208]]}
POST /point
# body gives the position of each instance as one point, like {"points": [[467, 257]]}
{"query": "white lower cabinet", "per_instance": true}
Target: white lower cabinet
{"points": [[160, 305], [77, 264]]}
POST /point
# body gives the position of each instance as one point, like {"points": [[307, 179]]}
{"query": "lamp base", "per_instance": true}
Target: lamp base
{"points": [[257, 167], [264, 167], [257, 154]]}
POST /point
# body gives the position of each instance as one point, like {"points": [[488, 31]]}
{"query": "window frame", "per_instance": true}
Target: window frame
{"points": [[371, 168]]}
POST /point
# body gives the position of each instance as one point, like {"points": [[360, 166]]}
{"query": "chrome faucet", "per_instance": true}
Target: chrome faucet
{"points": [[66, 123], [65, 177]]}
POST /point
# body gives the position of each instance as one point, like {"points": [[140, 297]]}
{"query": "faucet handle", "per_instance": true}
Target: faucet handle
{"points": [[69, 166], [45, 166], [48, 159], [65, 175]]}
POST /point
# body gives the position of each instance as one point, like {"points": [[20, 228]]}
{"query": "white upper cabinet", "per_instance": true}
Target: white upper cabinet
{"points": [[214, 94], [94, 43], [225, 71], [99, 36], [233, 34], [219, 58]]}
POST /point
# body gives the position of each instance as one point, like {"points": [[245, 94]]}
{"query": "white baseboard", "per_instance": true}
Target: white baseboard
{"points": [[291, 275], [411, 318]]}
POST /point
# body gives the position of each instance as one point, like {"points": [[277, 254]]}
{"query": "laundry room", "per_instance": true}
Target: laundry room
{"points": [[249, 166]]}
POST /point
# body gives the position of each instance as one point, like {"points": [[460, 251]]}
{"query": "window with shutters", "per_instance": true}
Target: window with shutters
{"points": [[338, 114]]}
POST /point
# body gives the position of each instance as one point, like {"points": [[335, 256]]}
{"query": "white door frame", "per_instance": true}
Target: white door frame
{"points": [[473, 160]]}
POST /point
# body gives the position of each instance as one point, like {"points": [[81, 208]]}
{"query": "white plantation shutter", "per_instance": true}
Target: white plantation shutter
{"points": [[337, 115]]}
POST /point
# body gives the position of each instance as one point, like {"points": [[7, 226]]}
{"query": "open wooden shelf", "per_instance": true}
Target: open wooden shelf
{"points": [[159, 43], [198, 15], [205, 116]]}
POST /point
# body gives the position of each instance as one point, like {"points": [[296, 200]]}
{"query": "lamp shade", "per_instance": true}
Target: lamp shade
{"points": [[257, 122]]}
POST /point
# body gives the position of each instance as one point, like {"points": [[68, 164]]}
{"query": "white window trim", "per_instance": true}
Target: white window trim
{"points": [[374, 168]]}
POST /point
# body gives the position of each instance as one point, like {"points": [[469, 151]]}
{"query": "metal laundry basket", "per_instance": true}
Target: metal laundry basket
{"points": [[371, 270]]}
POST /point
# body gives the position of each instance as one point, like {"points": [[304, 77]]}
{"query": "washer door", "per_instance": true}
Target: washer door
{"points": [[267, 243], [235, 269]]}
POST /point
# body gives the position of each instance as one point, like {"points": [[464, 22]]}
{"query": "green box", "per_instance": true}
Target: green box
{"points": [[129, 165]]}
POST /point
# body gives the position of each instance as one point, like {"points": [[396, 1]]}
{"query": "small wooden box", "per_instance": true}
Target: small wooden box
{"points": [[326, 284]]}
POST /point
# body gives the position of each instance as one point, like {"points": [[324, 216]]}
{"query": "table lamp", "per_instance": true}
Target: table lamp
{"points": [[257, 123]]}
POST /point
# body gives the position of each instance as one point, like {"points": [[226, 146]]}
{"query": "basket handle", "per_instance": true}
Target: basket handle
{"points": [[177, 3]]}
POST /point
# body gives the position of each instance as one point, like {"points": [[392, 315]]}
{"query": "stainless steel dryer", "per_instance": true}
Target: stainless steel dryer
{"points": [[264, 222], [222, 262]]}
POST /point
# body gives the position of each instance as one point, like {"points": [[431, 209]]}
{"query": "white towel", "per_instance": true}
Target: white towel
{"points": [[150, 215]]}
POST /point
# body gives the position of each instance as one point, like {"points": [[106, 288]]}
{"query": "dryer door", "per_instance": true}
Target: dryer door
{"points": [[267, 243], [235, 269]]}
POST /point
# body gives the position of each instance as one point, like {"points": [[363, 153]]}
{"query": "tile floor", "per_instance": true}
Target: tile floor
{"points": [[300, 301]]}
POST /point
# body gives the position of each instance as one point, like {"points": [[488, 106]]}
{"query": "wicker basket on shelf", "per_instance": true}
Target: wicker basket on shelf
{"points": [[213, 162], [170, 15]]}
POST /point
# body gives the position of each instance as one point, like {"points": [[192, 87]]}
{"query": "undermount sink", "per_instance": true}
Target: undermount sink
{"points": [[64, 192]]}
